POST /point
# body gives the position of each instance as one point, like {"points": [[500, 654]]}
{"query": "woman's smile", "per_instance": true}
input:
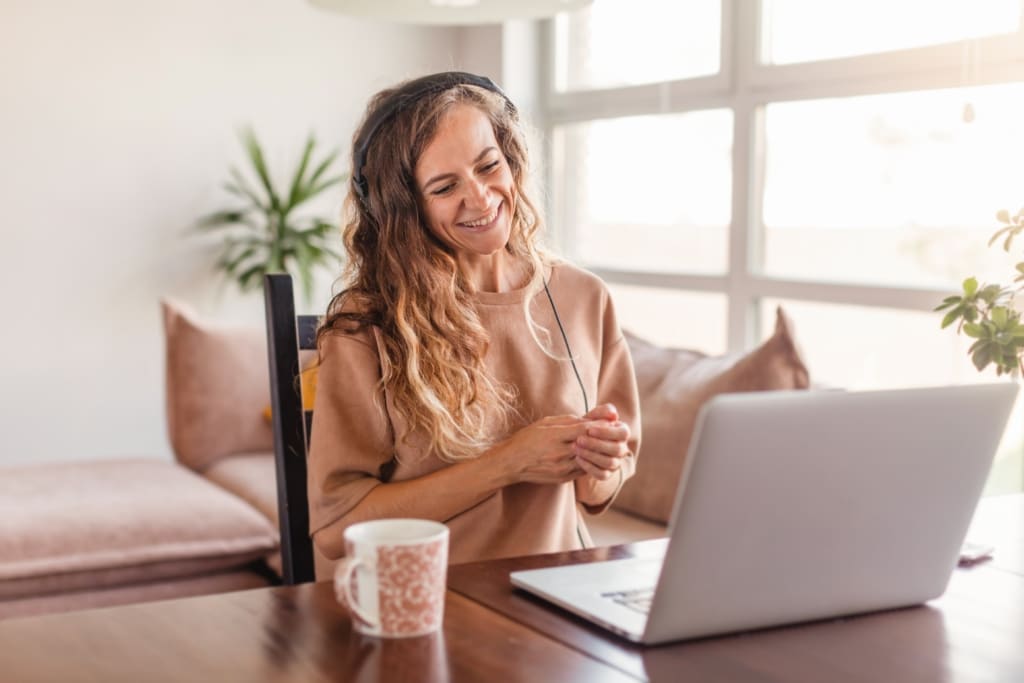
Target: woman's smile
{"points": [[485, 222]]}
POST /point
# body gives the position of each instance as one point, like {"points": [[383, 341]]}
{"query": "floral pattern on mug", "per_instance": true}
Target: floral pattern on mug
{"points": [[411, 586]]}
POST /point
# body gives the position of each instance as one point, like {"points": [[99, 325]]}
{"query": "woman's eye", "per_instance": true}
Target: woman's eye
{"points": [[491, 166], [443, 190]]}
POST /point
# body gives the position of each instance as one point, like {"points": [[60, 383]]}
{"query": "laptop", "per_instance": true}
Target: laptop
{"points": [[801, 505]]}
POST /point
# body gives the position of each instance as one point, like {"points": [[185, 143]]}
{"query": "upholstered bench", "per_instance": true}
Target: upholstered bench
{"points": [[87, 534]]}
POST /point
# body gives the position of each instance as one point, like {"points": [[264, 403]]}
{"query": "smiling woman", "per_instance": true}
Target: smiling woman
{"points": [[465, 375]]}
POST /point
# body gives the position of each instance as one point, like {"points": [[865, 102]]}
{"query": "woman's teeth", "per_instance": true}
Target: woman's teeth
{"points": [[485, 220]]}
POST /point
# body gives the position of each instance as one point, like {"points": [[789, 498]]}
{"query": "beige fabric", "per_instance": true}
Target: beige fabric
{"points": [[131, 593], [66, 526], [217, 387], [251, 477], [674, 383], [615, 527], [352, 438]]}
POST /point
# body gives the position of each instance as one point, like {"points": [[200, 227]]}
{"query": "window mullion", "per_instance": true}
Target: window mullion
{"points": [[740, 32]]}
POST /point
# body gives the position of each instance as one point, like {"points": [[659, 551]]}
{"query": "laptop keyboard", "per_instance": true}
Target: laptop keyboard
{"points": [[638, 599]]}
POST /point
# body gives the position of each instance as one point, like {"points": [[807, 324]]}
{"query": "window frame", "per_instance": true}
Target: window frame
{"points": [[746, 85]]}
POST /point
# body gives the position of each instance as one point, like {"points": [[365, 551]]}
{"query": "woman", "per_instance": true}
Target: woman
{"points": [[464, 376]]}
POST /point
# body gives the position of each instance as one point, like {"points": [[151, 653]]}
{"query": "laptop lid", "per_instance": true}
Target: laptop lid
{"points": [[805, 505]]}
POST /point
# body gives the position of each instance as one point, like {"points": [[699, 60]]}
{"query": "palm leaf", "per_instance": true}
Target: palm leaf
{"points": [[220, 219], [319, 171], [314, 190], [297, 181], [252, 146], [241, 188]]}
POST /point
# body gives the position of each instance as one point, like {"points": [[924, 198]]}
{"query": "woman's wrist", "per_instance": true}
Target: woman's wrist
{"points": [[598, 492], [493, 467]]}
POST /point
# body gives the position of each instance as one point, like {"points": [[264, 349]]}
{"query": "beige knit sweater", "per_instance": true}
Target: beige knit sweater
{"points": [[352, 437]]}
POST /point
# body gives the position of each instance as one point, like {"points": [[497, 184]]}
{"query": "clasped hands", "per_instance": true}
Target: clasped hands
{"points": [[564, 447]]}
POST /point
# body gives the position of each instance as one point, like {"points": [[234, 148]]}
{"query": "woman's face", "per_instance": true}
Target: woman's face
{"points": [[465, 184]]}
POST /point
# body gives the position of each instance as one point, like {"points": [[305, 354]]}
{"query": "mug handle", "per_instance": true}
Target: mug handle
{"points": [[343, 584]]}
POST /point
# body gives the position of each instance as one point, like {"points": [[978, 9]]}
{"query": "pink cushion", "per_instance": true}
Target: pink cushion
{"points": [[205, 584], [217, 387], [252, 478], [72, 526], [673, 385]]}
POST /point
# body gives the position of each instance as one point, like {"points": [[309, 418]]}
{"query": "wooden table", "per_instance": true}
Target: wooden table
{"points": [[296, 633], [975, 632]]}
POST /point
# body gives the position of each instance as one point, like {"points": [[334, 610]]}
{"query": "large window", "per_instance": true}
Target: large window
{"points": [[717, 158], [661, 181]]}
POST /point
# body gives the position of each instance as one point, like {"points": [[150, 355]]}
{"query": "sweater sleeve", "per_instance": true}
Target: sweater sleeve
{"points": [[351, 437], [616, 384]]}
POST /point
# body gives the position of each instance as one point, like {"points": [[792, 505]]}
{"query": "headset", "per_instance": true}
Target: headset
{"points": [[407, 95]]}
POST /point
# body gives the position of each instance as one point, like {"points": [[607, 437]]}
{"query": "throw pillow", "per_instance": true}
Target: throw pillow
{"points": [[673, 385], [217, 384]]}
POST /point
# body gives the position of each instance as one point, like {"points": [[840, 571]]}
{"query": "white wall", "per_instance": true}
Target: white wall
{"points": [[117, 125]]}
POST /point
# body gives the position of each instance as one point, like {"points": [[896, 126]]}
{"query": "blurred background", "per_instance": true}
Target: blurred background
{"points": [[711, 159]]}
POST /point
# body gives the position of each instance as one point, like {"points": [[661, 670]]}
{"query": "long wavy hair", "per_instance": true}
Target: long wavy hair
{"points": [[404, 281]]}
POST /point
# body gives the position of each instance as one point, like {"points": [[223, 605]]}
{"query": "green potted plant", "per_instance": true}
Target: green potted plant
{"points": [[266, 233], [985, 312]]}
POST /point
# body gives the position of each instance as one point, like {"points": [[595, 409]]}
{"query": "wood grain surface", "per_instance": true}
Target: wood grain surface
{"points": [[974, 632], [296, 633]]}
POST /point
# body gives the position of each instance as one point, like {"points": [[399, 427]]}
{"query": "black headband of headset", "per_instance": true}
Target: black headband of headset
{"points": [[404, 96]]}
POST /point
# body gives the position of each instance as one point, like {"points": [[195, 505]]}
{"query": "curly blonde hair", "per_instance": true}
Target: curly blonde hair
{"points": [[403, 280]]}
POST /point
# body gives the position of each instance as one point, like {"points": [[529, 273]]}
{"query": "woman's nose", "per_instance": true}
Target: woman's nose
{"points": [[477, 194]]}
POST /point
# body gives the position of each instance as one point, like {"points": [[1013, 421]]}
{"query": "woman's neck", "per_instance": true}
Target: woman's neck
{"points": [[497, 272]]}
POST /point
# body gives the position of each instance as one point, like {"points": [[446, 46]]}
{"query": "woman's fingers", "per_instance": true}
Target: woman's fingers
{"points": [[608, 431], [593, 470], [604, 411], [613, 447], [600, 460]]}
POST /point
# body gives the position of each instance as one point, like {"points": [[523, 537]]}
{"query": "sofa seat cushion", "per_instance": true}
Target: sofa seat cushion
{"points": [[253, 478], [205, 584], [614, 527], [673, 385], [90, 525]]}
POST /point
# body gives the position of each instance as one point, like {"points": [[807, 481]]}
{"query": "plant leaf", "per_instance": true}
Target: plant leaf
{"points": [[998, 233], [1003, 216], [990, 293], [297, 182], [952, 316], [323, 166], [252, 146], [974, 330], [999, 316], [970, 286], [241, 188], [220, 219], [313, 191], [982, 357], [236, 261], [246, 280]]}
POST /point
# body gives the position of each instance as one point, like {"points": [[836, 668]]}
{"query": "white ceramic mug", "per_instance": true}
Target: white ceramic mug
{"points": [[392, 578]]}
